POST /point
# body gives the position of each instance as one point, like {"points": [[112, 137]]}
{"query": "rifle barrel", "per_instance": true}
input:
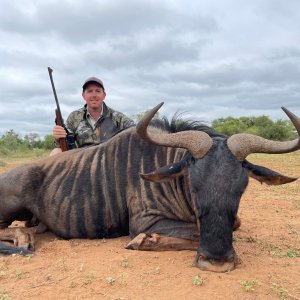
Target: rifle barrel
{"points": [[53, 88], [59, 120]]}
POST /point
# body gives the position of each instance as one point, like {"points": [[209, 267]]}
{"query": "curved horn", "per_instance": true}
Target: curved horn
{"points": [[197, 142], [241, 145]]}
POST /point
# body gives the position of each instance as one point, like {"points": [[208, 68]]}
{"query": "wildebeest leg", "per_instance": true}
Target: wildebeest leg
{"points": [[152, 233], [156, 242], [161, 242], [4, 224], [21, 238], [39, 226], [34, 221]]}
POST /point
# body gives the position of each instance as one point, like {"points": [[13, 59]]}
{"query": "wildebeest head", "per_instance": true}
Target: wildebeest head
{"points": [[218, 176]]}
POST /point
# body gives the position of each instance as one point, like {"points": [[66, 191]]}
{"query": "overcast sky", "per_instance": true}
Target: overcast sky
{"points": [[209, 58]]}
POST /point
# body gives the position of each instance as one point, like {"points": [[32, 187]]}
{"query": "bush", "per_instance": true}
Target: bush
{"points": [[262, 126], [11, 142], [48, 142]]}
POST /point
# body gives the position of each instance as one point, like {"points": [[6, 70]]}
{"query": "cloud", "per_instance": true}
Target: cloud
{"points": [[212, 59]]}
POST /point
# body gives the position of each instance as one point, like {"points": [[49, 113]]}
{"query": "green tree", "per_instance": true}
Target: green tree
{"points": [[262, 126], [11, 141], [33, 140], [48, 142], [229, 125], [280, 130]]}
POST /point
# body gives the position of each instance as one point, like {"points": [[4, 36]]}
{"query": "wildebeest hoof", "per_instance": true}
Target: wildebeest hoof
{"points": [[137, 241], [21, 238], [24, 239]]}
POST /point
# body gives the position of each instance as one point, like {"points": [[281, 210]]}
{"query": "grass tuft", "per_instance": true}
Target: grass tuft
{"points": [[198, 280], [249, 285]]}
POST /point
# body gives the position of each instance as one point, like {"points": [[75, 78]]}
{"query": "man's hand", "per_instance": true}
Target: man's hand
{"points": [[59, 132]]}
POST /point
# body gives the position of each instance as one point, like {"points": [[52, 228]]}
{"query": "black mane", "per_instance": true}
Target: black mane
{"points": [[177, 123]]}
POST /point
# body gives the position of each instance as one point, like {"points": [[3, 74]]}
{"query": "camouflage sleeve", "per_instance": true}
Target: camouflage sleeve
{"points": [[70, 123]]}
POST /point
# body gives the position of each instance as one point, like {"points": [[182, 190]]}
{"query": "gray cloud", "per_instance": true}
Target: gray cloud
{"points": [[206, 58]]}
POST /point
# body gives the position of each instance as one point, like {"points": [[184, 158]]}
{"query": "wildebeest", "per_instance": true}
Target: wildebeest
{"points": [[168, 191]]}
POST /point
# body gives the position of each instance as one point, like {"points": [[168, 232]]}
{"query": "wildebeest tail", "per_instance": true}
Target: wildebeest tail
{"points": [[8, 250]]}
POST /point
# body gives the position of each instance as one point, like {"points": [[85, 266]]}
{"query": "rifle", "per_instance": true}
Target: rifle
{"points": [[68, 142]]}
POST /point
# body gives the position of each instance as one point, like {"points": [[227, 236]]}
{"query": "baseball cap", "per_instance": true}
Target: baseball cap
{"points": [[92, 79]]}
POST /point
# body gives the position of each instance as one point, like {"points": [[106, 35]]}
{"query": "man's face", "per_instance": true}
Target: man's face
{"points": [[94, 96]]}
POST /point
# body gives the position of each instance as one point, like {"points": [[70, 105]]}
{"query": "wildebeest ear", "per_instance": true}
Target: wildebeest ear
{"points": [[266, 175], [166, 173]]}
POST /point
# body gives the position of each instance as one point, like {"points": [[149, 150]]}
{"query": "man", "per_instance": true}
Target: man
{"points": [[95, 122]]}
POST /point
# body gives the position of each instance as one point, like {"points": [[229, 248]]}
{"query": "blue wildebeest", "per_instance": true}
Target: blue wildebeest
{"points": [[190, 201]]}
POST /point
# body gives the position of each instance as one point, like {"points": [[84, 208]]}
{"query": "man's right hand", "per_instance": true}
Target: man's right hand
{"points": [[59, 132]]}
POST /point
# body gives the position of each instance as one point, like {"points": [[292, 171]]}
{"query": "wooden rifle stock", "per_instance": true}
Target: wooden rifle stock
{"points": [[62, 141]]}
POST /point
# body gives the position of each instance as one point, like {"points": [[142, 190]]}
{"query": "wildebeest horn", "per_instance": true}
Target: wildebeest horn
{"points": [[197, 142], [241, 145]]}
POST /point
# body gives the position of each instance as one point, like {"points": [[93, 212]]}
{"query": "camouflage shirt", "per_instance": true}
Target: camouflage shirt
{"points": [[85, 133]]}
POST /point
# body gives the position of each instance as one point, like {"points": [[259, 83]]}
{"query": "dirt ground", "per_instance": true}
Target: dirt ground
{"points": [[267, 244]]}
